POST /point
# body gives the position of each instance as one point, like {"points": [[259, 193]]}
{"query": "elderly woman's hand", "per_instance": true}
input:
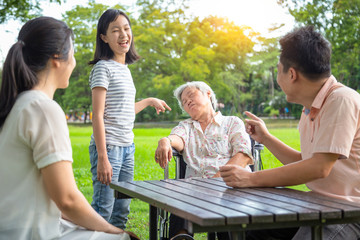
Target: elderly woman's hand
{"points": [[163, 153]]}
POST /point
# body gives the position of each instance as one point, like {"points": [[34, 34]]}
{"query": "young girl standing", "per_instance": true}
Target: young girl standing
{"points": [[114, 108]]}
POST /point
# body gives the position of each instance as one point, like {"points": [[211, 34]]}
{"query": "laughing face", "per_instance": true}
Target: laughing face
{"points": [[118, 36]]}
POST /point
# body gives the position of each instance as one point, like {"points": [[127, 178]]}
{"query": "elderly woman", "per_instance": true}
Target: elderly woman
{"points": [[207, 141]]}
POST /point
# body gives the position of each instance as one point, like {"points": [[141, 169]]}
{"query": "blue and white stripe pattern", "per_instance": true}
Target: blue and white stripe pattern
{"points": [[119, 113]]}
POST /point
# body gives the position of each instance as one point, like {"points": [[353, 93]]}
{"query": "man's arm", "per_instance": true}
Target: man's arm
{"points": [[281, 151], [258, 131], [239, 159], [317, 167]]}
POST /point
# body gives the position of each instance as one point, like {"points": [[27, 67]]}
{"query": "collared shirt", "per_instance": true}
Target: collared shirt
{"points": [[204, 152], [332, 126]]}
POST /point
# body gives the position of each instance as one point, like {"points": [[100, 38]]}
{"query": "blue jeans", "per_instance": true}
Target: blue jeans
{"points": [[115, 211]]}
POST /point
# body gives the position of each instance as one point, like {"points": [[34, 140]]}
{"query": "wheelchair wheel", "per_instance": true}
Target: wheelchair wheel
{"points": [[183, 237], [163, 224]]}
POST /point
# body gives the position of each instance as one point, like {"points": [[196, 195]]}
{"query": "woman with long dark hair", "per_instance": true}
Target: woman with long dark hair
{"points": [[39, 197]]}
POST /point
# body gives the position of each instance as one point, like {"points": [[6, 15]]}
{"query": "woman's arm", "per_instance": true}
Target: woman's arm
{"points": [[104, 169], [158, 104], [60, 184]]}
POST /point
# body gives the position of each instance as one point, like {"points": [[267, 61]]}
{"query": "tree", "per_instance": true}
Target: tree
{"points": [[22, 10], [339, 21]]}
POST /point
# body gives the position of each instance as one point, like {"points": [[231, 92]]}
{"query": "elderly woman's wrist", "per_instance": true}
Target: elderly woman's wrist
{"points": [[170, 141], [165, 140]]}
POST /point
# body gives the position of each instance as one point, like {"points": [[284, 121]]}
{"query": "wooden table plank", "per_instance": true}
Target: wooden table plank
{"points": [[197, 215], [231, 216], [350, 209], [256, 214], [303, 213], [279, 213], [325, 211]]}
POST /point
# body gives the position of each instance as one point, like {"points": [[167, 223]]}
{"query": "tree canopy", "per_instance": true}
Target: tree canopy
{"points": [[339, 21], [238, 63], [21, 9]]}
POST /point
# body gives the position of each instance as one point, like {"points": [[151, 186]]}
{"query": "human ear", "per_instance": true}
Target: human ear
{"points": [[103, 37], [55, 62], [293, 74]]}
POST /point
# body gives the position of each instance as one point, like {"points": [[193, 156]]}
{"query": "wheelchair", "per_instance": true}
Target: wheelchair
{"points": [[180, 167]]}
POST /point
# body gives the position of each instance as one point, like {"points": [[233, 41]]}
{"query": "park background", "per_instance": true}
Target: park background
{"points": [[238, 62]]}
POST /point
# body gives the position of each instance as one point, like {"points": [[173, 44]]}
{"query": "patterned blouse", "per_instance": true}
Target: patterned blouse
{"points": [[205, 152]]}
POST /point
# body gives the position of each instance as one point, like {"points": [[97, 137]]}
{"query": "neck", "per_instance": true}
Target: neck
{"points": [[120, 58], [45, 84], [206, 119], [311, 90]]}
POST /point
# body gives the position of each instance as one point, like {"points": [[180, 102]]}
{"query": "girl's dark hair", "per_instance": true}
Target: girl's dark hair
{"points": [[102, 50], [39, 40]]}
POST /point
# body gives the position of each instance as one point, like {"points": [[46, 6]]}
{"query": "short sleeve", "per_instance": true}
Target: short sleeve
{"points": [[239, 139], [337, 126], [100, 76], [181, 131], [42, 126]]}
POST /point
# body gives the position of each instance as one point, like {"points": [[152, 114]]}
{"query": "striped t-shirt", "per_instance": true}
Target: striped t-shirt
{"points": [[119, 113]]}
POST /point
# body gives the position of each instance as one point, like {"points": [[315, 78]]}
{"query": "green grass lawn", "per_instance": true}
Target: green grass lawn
{"points": [[146, 169]]}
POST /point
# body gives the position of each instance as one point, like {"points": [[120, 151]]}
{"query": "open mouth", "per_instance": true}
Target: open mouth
{"points": [[124, 43]]}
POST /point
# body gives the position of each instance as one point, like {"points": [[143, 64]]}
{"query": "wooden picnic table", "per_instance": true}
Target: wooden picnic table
{"points": [[211, 206]]}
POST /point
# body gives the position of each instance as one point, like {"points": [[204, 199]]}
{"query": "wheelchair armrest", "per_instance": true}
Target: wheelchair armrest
{"points": [[175, 152]]}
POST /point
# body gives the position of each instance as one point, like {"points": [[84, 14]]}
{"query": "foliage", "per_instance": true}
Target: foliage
{"points": [[22, 10], [339, 20], [238, 63], [176, 49]]}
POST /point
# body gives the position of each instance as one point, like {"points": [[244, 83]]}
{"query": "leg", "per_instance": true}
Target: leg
{"points": [[121, 208], [103, 196]]}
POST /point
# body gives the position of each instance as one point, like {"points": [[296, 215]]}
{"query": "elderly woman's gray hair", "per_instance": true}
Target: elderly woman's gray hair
{"points": [[201, 86]]}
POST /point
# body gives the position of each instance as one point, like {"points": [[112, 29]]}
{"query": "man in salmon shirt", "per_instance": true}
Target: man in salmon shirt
{"points": [[329, 133]]}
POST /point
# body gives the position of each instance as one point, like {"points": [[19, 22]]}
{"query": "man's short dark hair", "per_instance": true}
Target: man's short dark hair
{"points": [[307, 51]]}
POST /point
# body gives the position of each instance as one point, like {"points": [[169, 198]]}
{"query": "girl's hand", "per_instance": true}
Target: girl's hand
{"points": [[159, 105], [104, 171], [256, 128]]}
